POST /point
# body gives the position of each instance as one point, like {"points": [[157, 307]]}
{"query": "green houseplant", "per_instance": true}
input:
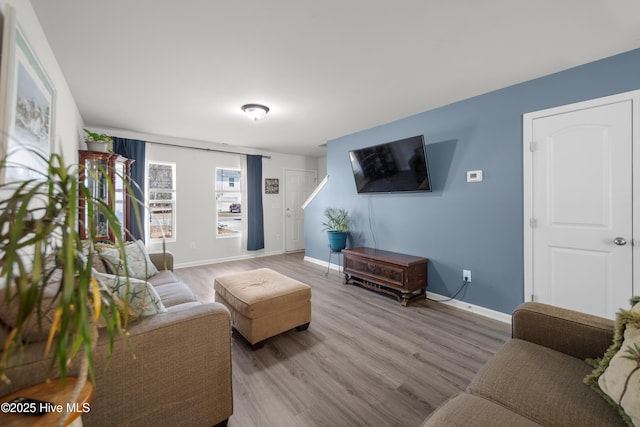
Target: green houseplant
{"points": [[337, 227], [45, 268], [96, 141]]}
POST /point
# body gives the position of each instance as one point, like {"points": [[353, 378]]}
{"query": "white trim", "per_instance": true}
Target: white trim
{"points": [[483, 311], [315, 192], [527, 119], [635, 195], [147, 190], [260, 254], [323, 263], [7, 75], [527, 166], [243, 201]]}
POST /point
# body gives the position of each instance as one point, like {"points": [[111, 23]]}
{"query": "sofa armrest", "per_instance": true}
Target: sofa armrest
{"points": [[577, 334], [173, 368], [162, 260]]}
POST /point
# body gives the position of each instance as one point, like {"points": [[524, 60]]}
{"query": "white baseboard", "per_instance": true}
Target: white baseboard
{"points": [[219, 260], [323, 263], [483, 311]]}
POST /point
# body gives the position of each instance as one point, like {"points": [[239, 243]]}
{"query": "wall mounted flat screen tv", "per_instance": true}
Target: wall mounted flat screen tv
{"points": [[395, 166]]}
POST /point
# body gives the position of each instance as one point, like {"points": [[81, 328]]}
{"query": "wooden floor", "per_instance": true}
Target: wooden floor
{"points": [[364, 361]]}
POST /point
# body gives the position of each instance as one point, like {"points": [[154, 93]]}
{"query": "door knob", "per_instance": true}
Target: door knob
{"points": [[620, 241]]}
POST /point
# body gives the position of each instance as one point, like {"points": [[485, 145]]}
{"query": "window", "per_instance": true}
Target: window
{"points": [[229, 202], [162, 200]]}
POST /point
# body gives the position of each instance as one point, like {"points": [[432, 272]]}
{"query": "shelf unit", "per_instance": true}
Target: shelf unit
{"points": [[95, 169]]}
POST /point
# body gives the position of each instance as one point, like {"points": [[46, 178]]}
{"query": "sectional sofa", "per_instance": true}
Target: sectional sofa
{"points": [[173, 368], [536, 379]]}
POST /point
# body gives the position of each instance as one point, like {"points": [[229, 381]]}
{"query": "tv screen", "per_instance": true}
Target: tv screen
{"points": [[391, 167]]}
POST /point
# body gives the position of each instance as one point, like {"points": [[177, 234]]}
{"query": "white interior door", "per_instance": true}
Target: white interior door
{"points": [[299, 184], [581, 218]]}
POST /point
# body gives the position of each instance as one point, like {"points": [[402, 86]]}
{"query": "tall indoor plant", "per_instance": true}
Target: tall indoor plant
{"points": [[41, 253], [337, 227]]}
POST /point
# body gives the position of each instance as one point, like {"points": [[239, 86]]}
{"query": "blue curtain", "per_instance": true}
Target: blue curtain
{"points": [[134, 149], [255, 219]]}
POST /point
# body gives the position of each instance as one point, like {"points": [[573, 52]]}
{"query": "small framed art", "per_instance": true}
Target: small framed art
{"points": [[271, 185]]}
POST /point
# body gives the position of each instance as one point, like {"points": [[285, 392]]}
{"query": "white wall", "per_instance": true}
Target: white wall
{"points": [[196, 241], [68, 122], [195, 233], [322, 167]]}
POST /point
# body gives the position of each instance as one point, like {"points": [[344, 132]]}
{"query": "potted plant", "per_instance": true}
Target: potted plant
{"points": [[46, 272], [337, 227], [96, 141]]}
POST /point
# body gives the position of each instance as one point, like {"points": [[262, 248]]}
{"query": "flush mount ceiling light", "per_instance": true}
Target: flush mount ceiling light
{"points": [[255, 111]]}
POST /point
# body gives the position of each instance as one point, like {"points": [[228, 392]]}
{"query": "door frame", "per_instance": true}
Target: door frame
{"points": [[528, 179], [284, 205]]}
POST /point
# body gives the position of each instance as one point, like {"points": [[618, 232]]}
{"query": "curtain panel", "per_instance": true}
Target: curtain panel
{"points": [[255, 217], [134, 149]]}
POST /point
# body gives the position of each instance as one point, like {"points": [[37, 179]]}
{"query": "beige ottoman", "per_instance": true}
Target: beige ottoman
{"points": [[264, 303]]}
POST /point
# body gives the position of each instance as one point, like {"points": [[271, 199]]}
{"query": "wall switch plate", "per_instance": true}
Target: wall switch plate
{"points": [[474, 176], [466, 274]]}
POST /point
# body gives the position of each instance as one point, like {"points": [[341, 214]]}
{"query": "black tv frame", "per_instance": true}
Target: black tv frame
{"points": [[391, 168]]}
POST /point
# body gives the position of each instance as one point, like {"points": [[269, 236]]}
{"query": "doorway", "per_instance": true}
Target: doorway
{"points": [[579, 189], [298, 185]]}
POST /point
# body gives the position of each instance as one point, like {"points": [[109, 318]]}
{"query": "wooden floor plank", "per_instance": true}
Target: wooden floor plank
{"points": [[364, 361]]}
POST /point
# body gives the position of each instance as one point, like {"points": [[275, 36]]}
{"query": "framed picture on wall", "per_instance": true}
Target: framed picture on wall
{"points": [[27, 98], [271, 185]]}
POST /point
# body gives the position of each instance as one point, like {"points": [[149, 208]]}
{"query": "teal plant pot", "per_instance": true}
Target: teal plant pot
{"points": [[337, 240]]}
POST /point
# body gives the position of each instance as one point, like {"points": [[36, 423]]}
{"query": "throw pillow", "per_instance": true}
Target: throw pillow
{"points": [[617, 377], [142, 296], [103, 246], [139, 265], [96, 261]]}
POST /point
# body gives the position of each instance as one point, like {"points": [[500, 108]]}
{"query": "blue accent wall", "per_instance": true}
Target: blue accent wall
{"points": [[460, 225]]}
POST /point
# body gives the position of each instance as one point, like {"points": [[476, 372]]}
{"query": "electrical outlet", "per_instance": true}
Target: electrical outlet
{"points": [[466, 275]]}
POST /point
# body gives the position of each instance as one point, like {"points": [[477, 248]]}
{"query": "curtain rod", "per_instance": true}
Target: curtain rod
{"points": [[205, 149]]}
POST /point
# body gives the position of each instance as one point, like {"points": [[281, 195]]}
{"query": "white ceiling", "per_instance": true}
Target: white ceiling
{"points": [[326, 68]]}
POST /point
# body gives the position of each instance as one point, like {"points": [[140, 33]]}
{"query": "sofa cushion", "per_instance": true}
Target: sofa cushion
{"points": [[4, 333], [139, 265], [97, 262], [163, 277], [37, 326], [616, 377], [543, 385], [467, 410], [175, 293], [162, 260], [143, 298], [182, 307]]}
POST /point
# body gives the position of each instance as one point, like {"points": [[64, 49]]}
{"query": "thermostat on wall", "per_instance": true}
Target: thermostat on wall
{"points": [[474, 176]]}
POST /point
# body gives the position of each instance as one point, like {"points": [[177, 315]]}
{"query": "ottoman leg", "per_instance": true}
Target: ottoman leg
{"points": [[303, 327], [253, 347], [256, 346]]}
